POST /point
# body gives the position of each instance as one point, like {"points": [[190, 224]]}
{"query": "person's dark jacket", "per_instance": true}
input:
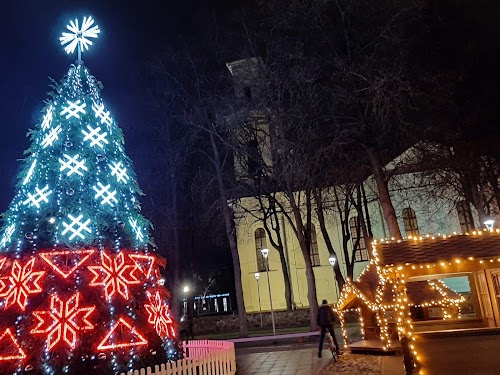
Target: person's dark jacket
{"points": [[325, 316]]}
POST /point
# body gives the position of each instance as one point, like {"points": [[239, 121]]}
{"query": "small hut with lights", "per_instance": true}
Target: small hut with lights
{"points": [[464, 346], [374, 302]]}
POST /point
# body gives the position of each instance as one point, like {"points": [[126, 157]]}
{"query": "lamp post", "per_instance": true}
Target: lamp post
{"points": [[489, 223], [265, 254], [333, 259], [186, 290], [257, 277]]}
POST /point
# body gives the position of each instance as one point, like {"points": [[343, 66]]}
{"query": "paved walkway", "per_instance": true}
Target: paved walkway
{"points": [[282, 361], [301, 359]]}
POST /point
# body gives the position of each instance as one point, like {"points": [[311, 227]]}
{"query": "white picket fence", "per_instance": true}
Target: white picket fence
{"points": [[201, 357]]}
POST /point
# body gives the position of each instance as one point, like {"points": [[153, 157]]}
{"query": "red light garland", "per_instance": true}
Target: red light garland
{"points": [[71, 308], [21, 282], [63, 320], [125, 333], [159, 316], [9, 347], [114, 275], [67, 261], [144, 262]]}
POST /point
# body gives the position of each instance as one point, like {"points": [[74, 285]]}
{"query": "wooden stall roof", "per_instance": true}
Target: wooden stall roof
{"points": [[438, 249], [418, 292]]}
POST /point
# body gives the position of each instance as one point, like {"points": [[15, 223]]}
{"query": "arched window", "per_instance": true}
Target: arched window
{"points": [[410, 221], [314, 254], [260, 243], [358, 240], [465, 216]]}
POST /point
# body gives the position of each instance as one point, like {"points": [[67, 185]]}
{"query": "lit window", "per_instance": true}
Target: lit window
{"points": [[465, 217], [410, 221], [358, 241], [314, 254], [260, 243]]}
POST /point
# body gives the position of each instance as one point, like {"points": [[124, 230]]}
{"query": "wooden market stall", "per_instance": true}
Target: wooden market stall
{"points": [[374, 302], [464, 346]]}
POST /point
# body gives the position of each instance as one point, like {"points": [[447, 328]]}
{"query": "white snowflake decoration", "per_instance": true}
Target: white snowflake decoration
{"points": [[77, 227], [51, 137], [95, 136], [30, 172], [7, 235], [73, 165], [74, 109], [101, 114], [79, 36], [41, 195], [119, 171], [138, 232], [106, 195], [47, 119]]}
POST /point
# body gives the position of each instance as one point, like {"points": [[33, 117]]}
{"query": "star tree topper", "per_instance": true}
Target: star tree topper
{"points": [[78, 37]]}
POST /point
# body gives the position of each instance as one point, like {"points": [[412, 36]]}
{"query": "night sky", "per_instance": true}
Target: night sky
{"points": [[132, 32]]}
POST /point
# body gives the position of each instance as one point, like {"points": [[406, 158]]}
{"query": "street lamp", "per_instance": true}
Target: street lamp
{"points": [[489, 223], [265, 254], [333, 259], [257, 277], [186, 289]]}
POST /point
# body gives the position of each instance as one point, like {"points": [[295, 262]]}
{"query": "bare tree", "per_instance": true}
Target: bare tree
{"points": [[200, 91]]}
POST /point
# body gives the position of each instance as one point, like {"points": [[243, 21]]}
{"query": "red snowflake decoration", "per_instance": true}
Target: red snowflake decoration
{"points": [[159, 316], [63, 320], [21, 282], [114, 275]]}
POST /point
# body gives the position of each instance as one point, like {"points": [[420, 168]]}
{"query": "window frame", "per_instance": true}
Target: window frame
{"points": [[314, 250], [361, 254], [260, 242], [465, 218], [410, 222]]}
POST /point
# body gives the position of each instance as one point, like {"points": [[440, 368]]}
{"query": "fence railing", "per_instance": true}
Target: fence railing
{"points": [[201, 357]]}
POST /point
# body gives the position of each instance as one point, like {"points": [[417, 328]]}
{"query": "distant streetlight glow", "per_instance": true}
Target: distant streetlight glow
{"points": [[489, 223], [332, 260], [186, 289], [265, 253]]}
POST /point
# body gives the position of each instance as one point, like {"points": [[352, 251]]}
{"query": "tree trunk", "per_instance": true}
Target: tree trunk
{"points": [[228, 224], [304, 247], [363, 222], [278, 245], [345, 228], [286, 279], [321, 218], [384, 197]]}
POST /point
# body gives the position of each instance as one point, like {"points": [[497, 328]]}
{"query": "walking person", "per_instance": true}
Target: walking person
{"points": [[325, 322]]}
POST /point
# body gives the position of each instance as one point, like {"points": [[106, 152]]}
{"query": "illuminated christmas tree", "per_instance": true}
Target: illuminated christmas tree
{"points": [[80, 286]]}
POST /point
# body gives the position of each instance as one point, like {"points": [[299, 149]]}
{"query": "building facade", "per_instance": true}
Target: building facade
{"points": [[419, 210], [419, 214]]}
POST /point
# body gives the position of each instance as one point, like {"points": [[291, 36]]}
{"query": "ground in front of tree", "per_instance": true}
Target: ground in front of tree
{"points": [[302, 359]]}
